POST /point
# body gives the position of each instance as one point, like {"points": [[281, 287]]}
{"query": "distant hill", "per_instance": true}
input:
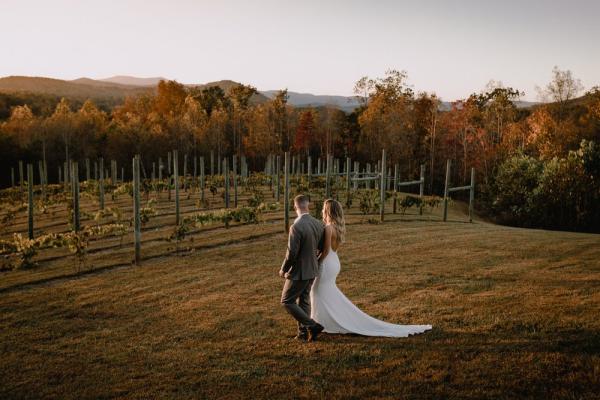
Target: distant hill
{"points": [[132, 80], [112, 91], [296, 99], [79, 89]]}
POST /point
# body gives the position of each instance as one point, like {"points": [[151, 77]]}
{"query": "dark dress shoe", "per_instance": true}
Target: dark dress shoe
{"points": [[314, 331]]}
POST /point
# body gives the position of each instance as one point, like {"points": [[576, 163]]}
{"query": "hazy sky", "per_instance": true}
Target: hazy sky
{"points": [[451, 47]]}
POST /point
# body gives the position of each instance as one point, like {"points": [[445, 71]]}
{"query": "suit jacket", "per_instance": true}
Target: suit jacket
{"points": [[306, 237]]}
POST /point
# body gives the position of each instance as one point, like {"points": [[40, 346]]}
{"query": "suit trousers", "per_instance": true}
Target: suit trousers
{"points": [[295, 297]]}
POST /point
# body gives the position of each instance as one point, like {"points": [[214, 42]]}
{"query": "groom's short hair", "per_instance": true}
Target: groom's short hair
{"points": [[301, 200]]}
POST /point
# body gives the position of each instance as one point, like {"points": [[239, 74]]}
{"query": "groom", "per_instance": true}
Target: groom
{"points": [[300, 268]]}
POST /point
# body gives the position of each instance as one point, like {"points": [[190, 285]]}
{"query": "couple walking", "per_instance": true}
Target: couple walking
{"points": [[310, 269]]}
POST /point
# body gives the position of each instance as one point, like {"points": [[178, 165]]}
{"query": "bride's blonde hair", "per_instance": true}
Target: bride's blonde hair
{"points": [[334, 213]]}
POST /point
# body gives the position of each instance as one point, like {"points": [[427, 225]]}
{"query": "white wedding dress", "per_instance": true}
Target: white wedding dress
{"points": [[337, 314]]}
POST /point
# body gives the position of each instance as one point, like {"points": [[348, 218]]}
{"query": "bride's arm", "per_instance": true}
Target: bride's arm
{"points": [[326, 244]]}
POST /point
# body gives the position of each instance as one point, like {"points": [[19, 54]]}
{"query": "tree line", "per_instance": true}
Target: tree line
{"points": [[486, 130]]}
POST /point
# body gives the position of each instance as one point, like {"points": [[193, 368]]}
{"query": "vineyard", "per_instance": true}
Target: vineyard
{"points": [[54, 230]]}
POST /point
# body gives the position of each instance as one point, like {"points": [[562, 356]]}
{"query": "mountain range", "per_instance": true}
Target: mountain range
{"points": [[115, 89]]}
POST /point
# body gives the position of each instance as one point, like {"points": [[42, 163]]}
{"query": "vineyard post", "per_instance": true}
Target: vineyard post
{"points": [[30, 200], [137, 232], [286, 191], [21, 183], [395, 186], [356, 172], [348, 163], [309, 171], [96, 171], [382, 187], [195, 168], [421, 186], [42, 180], [113, 171], [226, 180], [327, 172], [368, 181], [12, 176], [153, 170], [472, 195], [235, 185], [271, 167], [169, 176], [101, 184], [202, 180], [293, 169], [87, 170], [319, 166], [389, 181], [212, 162], [176, 183], [185, 160], [277, 191], [446, 186], [123, 174], [160, 168], [59, 174], [75, 192]]}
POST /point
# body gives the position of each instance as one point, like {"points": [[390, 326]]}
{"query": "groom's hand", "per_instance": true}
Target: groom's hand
{"points": [[282, 273]]}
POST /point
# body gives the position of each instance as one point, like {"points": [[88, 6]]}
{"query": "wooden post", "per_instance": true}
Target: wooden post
{"points": [[446, 187], [59, 174], [87, 170], [96, 171], [176, 183], [319, 166], [278, 178], [356, 172], [195, 168], [202, 180], [123, 173], [327, 173], [226, 180], [21, 182], [235, 185], [472, 195], [396, 166], [137, 223], [160, 168], [382, 187], [42, 178], [169, 176], [212, 162], [348, 163], [101, 185], [309, 171], [286, 192], [153, 171], [421, 186], [185, 160], [30, 199], [12, 176], [75, 191], [368, 181]]}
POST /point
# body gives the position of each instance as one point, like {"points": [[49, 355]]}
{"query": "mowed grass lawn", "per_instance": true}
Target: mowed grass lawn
{"points": [[516, 313]]}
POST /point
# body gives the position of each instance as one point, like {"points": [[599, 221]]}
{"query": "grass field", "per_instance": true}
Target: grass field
{"points": [[514, 314]]}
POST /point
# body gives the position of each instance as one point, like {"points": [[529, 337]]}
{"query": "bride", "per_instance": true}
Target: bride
{"points": [[330, 307]]}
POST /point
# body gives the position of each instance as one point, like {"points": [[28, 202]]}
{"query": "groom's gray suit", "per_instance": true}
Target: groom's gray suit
{"points": [[306, 237]]}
